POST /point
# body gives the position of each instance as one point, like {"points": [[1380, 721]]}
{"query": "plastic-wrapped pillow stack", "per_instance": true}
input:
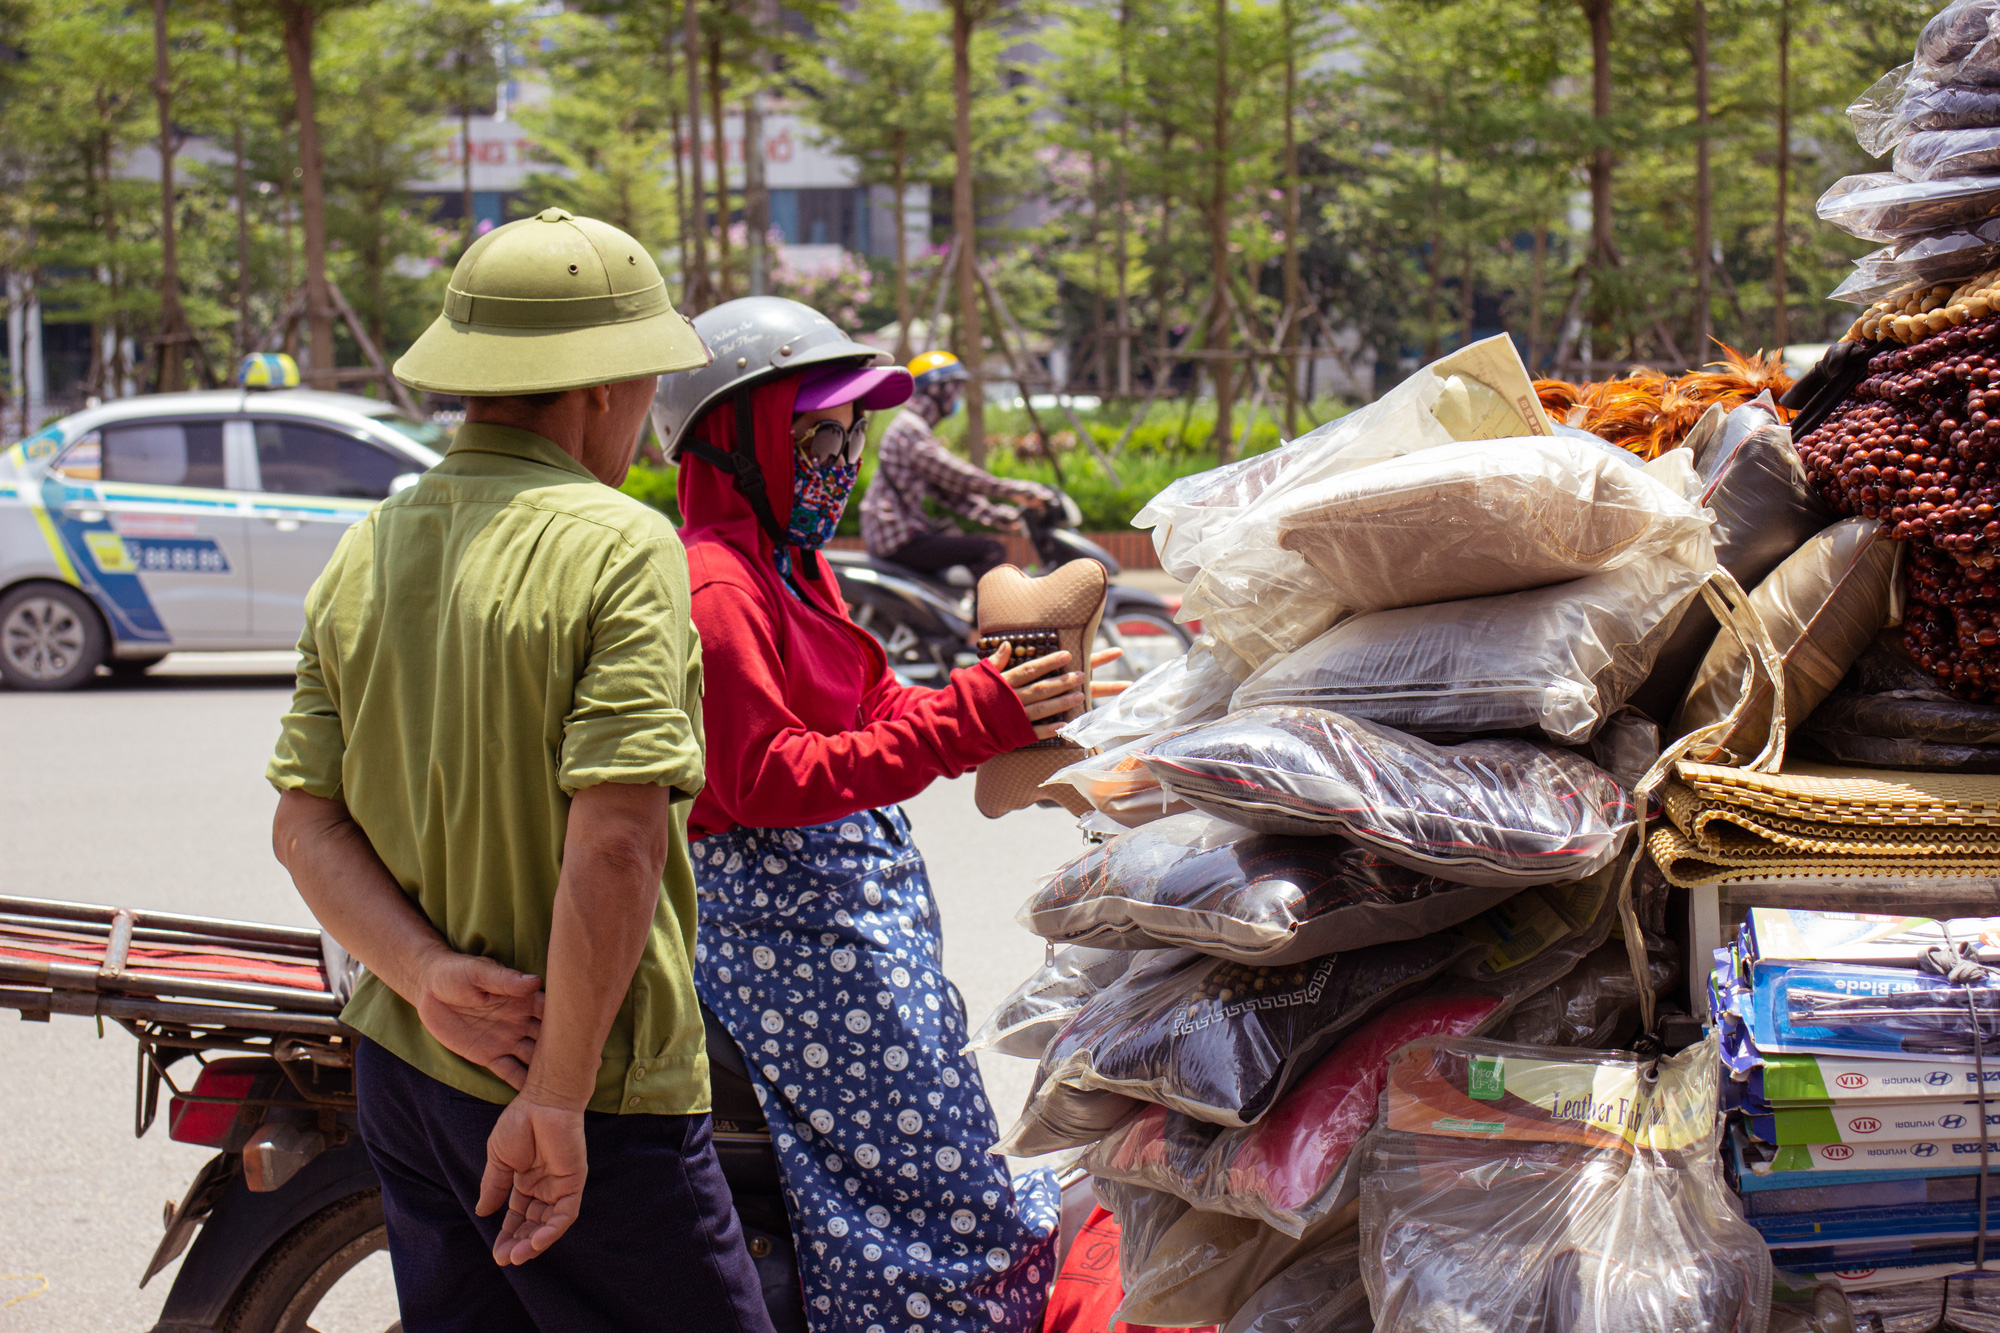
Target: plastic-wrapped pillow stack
{"points": [[1937, 207], [1387, 799], [1862, 1063]]}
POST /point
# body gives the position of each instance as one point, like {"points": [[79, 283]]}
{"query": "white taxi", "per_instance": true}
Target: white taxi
{"points": [[188, 521]]}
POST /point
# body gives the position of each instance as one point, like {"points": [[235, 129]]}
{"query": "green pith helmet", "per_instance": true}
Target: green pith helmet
{"points": [[548, 303]]}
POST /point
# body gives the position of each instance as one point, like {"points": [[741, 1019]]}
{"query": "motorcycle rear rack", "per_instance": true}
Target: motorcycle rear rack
{"points": [[183, 985]]}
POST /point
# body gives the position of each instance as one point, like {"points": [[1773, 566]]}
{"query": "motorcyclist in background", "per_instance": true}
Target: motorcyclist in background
{"points": [[913, 465]]}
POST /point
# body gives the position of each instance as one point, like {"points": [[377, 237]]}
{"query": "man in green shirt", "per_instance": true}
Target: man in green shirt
{"points": [[484, 780]]}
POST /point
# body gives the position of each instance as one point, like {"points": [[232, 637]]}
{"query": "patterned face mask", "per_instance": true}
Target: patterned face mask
{"points": [[819, 496]]}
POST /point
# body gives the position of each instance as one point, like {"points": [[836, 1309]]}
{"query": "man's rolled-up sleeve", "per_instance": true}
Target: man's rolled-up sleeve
{"points": [[311, 745], [636, 715]]}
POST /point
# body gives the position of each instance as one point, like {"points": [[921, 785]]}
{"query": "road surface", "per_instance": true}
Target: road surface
{"points": [[152, 795]]}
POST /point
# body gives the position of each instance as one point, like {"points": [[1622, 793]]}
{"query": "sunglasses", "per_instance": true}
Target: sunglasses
{"points": [[826, 440]]}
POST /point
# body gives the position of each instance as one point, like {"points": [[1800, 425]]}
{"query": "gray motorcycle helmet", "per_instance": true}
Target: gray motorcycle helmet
{"points": [[751, 340]]}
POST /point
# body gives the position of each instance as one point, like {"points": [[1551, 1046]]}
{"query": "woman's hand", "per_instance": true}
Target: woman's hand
{"points": [[1046, 690]]}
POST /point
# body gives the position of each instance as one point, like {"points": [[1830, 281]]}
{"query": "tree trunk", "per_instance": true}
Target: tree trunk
{"points": [[756, 194], [698, 297], [1780, 293], [1163, 369], [965, 224], [1124, 315], [1098, 361], [1704, 187], [1294, 315], [1537, 293], [726, 282], [1601, 248], [243, 347], [1467, 310], [898, 168], [465, 159], [298, 17], [1218, 242], [1434, 252], [173, 324]]}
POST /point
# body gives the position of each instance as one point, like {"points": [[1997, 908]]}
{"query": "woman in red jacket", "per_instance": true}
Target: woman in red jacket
{"points": [[819, 944]]}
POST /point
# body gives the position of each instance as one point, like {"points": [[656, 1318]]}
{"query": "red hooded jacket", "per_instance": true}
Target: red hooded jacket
{"points": [[805, 723]]}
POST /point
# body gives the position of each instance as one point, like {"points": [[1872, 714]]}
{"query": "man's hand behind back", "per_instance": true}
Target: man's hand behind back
{"points": [[482, 1010], [536, 1165], [478, 1008]]}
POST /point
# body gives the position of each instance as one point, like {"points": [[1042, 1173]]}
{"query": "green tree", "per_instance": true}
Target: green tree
{"points": [[373, 74], [611, 124], [449, 60], [880, 96]]}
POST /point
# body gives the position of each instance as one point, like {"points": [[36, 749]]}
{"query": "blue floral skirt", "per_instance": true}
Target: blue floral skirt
{"points": [[819, 949]]}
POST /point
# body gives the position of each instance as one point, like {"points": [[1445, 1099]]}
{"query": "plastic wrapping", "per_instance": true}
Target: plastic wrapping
{"points": [[1286, 1170], [1476, 519], [1179, 692], [1193, 509], [1488, 812], [1060, 1115], [1909, 1307], [1961, 44], [1026, 1021], [1321, 1293], [1194, 881], [1118, 785], [1560, 659], [1258, 599], [1221, 1041], [1842, 747], [1192, 1268], [1626, 746], [1765, 508], [1597, 1005], [1881, 206], [1875, 115], [1948, 154], [1515, 1189], [1823, 607], [1942, 721], [1929, 261]]}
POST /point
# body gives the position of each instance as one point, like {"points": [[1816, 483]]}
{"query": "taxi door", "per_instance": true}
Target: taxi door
{"points": [[144, 509], [316, 481]]}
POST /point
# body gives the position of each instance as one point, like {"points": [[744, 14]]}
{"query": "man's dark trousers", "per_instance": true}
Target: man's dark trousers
{"points": [[655, 1246]]}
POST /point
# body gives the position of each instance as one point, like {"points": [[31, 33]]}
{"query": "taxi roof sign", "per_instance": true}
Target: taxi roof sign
{"points": [[268, 370]]}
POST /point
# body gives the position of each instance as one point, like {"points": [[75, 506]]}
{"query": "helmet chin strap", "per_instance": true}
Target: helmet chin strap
{"points": [[748, 478]]}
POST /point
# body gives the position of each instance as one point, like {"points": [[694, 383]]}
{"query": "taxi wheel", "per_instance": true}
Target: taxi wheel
{"points": [[51, 637]]}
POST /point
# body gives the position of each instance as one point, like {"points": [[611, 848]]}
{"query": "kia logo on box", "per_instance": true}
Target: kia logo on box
{"points": [[1851, 1081], [1838, 1152], [1866, 1124]]}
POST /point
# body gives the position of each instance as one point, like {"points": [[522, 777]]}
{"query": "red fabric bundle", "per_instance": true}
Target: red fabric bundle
{"points": [[1088, 1290], [1290, 1155]]}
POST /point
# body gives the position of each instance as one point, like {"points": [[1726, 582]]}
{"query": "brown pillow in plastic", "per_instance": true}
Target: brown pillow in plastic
{"points": [[1765, 509], [1478, 519], [1823, 606]]}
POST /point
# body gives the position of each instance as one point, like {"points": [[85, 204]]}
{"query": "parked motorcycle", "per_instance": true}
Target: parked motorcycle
{"points": [[238, 1025], [925, 622]]}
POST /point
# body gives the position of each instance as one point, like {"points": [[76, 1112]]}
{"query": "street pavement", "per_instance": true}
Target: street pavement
{"points": [[152, 795]]}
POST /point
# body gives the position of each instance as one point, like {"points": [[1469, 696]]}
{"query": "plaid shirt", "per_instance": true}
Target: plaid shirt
{"points": [[914, 465]]}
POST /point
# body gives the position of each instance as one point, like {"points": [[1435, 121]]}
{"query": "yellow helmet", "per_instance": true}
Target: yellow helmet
{"points": [[936, 368]]}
